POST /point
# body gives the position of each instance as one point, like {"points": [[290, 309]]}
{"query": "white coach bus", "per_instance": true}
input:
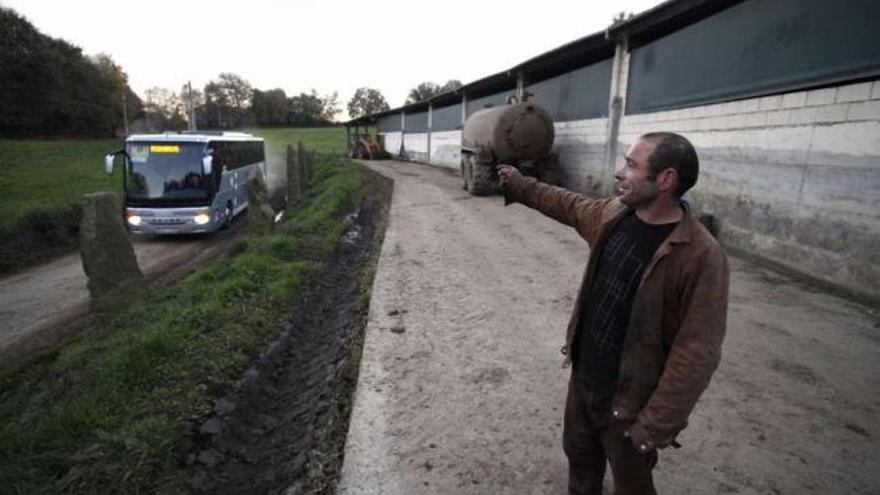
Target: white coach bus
{"points": [[189, 182]]}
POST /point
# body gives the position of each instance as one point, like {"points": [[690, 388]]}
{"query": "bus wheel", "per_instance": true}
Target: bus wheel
{"points": [[227, 218]]}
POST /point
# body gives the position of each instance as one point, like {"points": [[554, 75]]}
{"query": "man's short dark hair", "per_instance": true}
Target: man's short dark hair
{"points": [[675, 151]]}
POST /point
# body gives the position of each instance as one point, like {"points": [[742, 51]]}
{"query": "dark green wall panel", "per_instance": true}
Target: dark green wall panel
{"points": [[389, 123], [446, 118], [580, 94], [754, 48], [416, 122]]}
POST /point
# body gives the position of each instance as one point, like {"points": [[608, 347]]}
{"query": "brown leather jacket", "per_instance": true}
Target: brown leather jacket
{"points": [[678, 318]]}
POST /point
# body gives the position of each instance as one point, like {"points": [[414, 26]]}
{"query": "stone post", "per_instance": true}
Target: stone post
{"points": [[261, 216], [107, 254]]}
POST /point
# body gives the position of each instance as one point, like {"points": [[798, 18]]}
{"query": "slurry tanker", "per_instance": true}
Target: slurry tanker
{"points": [[518, 134]]}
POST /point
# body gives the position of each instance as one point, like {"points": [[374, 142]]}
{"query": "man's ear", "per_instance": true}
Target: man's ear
{"points": [[668, 180]]}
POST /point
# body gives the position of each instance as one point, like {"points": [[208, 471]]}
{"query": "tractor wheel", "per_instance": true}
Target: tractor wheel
{"points": [[482, 182]]}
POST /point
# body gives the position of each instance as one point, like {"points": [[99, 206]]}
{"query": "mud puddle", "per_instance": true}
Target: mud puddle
{"points": [[280, 431]]}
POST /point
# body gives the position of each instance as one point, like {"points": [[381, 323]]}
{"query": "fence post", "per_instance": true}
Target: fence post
{"points": [[301, 159], [261, 216], [294, 189]]}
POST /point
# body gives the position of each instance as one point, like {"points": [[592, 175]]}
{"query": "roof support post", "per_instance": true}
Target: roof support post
{"points": [[520, 86], [616, 106], [430, 128], [402, 152], [464, 102]]}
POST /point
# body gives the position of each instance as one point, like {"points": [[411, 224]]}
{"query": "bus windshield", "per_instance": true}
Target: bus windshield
{"points": [[166, 171]]}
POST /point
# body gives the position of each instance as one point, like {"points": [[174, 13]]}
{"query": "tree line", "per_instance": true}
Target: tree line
{"points": [[230, 102], [49, 88]]}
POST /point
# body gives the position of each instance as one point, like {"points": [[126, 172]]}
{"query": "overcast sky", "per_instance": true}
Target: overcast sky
{"points": [[330, 45]]}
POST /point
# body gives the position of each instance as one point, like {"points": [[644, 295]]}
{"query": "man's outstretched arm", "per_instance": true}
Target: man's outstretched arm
{"points": [[562, 205]]}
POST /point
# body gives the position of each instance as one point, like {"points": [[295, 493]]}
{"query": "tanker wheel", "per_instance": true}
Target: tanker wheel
{"points": [[481, 181], [465, 172]]}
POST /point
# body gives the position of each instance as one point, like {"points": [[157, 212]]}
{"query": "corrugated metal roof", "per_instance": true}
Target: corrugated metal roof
{"points": [[666, 18], [645, 27]]}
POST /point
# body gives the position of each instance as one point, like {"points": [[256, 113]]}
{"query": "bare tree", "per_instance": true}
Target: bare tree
{"points": [[330, 106], [163, 110]]}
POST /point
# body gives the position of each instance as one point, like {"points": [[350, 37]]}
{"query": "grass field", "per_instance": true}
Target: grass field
{"points": [[108, 412], [321, 139], [50, 174]]}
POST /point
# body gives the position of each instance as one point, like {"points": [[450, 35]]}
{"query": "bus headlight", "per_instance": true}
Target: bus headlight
{"points": [[134, 220], [202, 218]]}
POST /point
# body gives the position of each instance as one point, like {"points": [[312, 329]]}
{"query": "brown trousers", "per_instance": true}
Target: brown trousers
{"points": [[591, 438]]}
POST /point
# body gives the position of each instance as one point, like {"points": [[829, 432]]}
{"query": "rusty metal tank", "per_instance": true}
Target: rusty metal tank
{"points": [[511, 133]]}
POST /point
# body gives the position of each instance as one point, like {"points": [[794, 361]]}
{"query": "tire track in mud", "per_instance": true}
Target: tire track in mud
{"points": [[260, 436]]}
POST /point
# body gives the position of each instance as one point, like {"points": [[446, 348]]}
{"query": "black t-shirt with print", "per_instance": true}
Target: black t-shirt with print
{"points": [[622, 262]]}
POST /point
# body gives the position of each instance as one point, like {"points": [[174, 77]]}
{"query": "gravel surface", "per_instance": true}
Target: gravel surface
{"points": [[461, 389]]}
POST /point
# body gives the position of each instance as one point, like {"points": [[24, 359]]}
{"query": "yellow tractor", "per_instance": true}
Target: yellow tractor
{"points": [[366, 147]]}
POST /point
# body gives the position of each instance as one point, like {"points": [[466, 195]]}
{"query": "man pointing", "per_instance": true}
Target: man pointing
{"points": [[645, 333]]}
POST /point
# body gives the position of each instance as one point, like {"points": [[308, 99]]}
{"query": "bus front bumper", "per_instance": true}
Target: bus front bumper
{"points": [[161, 221]]}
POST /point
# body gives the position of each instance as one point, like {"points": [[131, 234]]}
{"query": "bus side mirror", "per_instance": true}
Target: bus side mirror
{"points": [[207, 164], [108, 163]]}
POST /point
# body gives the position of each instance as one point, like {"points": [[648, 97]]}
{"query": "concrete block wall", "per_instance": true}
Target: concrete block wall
{"points": [[579, 146], [416, 146], [580, 150], [446, 149], [392, 142], [794, 177]]}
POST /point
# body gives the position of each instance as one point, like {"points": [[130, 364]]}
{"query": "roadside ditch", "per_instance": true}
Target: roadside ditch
{"points": [[283, 428]]}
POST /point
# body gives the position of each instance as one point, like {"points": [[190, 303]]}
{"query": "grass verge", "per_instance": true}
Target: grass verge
{"points": [[107, 412]]}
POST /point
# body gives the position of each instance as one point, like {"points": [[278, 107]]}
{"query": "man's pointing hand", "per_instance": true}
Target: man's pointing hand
{"points": [[505, 172]]}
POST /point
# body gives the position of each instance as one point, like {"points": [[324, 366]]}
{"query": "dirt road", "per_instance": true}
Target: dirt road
{"points": [[461, 389], [42, 305]]}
